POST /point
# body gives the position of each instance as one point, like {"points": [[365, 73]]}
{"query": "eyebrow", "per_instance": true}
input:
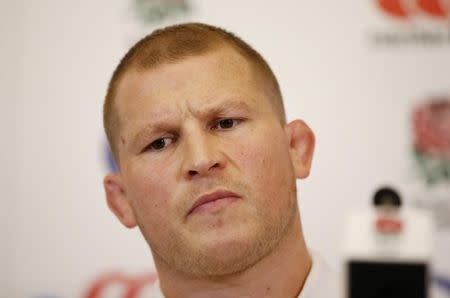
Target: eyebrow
{"points": [[158, 124], [218, 109], [162, 122]]}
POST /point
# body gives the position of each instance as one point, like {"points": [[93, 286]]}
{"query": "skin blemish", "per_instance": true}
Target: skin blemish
{"points": [[122, 140]]}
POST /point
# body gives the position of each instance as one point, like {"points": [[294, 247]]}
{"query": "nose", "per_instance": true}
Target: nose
{"points": [[203, 155]]}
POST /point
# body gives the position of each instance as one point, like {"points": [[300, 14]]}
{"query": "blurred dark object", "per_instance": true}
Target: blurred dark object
{"points": [[387, 280], [387, 197]]}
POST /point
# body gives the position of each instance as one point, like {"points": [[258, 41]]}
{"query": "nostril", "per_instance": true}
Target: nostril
{"points": [[203, 170]]}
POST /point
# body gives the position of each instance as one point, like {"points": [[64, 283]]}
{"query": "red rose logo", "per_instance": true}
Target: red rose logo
{"points": [[432, 128], [431, 122]]}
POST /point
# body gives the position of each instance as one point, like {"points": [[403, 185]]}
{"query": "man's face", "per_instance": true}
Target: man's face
{"points": [[206, 164]]}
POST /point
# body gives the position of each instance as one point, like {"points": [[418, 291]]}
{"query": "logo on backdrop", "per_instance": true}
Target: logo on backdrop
{"points": [[152, 11], [145, 15], [431, 151], [431, 123], [438, 9], [411, 23], [122, 285]]}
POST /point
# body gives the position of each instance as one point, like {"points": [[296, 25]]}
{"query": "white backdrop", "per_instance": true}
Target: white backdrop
{"points": [[57, 57]]}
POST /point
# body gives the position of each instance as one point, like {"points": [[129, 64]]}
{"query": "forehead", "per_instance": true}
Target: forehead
{"points": [[193, 81]]}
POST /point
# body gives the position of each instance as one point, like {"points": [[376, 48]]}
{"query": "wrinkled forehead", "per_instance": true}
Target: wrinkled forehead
{"points": [[205, 76]]}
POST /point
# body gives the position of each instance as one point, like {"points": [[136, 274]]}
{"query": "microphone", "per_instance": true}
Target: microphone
{"points": [[387, 249]]}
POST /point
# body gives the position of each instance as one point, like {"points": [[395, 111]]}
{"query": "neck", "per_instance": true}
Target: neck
{"points": [[281, 273]]}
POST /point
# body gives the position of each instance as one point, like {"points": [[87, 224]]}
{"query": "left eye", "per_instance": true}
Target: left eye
{"points": [[160, 144], [226, 123]]}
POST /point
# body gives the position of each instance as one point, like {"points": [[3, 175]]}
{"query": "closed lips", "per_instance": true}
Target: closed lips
{"points": [[211, 197]]}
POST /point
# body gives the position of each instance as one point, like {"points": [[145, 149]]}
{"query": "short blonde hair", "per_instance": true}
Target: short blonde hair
{"points": [[172, 44]]}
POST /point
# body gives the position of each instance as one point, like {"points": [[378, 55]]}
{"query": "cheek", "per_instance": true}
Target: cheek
{"points": [[149, 191], [265, 164]]}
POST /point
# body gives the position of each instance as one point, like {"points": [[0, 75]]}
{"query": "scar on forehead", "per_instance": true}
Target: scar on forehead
{"points": [[122, 140]]}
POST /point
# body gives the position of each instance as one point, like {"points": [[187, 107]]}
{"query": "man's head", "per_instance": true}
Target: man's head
{"points": [[207, 163], [176, 43]]}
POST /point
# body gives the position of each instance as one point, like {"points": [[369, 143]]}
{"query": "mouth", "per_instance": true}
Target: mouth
{"points": [[213, 202]]}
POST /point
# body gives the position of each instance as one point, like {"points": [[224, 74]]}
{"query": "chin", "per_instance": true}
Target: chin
{"points": [[228, 254], [233, 236], [226, 259]]}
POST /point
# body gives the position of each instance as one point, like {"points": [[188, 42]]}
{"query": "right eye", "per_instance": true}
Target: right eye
{"points": [[160, 143]]}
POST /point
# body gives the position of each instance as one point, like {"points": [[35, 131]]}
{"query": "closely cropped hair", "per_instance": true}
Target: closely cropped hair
{"points": [[172, 44]]}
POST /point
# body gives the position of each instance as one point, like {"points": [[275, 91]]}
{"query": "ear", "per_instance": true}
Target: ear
{"points": [[301, 147], [117, 200]]}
